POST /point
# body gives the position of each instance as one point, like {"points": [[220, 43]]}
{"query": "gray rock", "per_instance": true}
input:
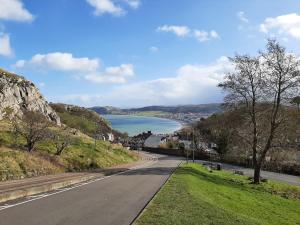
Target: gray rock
{"points": [[18, 94]]}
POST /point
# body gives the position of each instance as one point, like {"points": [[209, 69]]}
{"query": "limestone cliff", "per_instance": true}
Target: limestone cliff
{"points": [[18, 94]]}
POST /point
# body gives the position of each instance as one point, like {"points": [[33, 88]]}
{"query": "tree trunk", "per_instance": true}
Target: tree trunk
{"points": [[30, 144], [59, 150], [257, 169]]}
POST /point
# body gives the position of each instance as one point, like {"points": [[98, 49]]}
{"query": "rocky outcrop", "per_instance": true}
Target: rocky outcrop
{"points": [[18, 94]]}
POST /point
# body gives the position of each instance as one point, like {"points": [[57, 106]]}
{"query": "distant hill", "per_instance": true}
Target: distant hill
{"points": [[107, 110], [201, 108]]}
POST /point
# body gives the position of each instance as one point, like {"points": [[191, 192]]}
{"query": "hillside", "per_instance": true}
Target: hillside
{"points": [[82, 154], [103, 110], [18, 94], [19, 98], [85, 120]]}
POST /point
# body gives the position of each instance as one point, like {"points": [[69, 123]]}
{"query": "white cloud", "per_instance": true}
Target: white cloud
{"points": [[42, 84], [284, 25], [60, 62], [242, 16], [133, 3], [214, 34], [5, 48], [14, 10], [106, 6], [192, 84], [86, 99], [184, 31], [117, 74], [180, 31], [111, 7], [85, 68], [153, 49], [202, 35]]}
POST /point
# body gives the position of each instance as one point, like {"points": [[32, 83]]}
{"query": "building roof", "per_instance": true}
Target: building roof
{"points": [[153, 141]]}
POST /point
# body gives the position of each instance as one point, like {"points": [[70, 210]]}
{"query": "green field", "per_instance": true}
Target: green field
{"points": [[193, 195]]}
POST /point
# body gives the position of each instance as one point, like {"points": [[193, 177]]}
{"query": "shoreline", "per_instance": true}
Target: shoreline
{"points": [[181, 124]]}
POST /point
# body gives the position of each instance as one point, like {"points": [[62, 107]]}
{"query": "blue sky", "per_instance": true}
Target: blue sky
{"points": [[137, 52]]}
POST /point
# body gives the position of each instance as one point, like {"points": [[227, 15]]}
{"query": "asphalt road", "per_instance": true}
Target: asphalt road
{"points": [[116, 200], [294, 180]]}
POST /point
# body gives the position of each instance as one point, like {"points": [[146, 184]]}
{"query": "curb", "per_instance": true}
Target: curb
{"points": [[26, 192], [11, 195]]}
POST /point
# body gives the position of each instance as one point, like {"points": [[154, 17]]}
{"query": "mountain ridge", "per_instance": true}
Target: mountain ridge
{"points": [[190, 108]]}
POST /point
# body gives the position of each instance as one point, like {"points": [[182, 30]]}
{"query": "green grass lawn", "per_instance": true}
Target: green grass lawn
{"points": [[193, 195]]}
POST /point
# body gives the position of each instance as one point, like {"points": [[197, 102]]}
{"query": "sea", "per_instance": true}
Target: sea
{"points": [[134, 125]]}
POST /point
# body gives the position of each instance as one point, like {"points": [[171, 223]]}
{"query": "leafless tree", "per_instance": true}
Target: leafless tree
{"points": [[62, 142], [261, 86], [33, 127]]}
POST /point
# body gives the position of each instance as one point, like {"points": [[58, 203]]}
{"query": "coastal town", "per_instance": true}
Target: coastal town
{"points": [[149, 112], [170, 142]]}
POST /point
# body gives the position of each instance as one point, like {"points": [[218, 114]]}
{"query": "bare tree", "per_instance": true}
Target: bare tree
{"points": [[62, 142], [33, 127], [260, 86]]}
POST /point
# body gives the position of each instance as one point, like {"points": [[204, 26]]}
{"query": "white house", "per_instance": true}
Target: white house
{"points": [[154, 141], [111, 137]]}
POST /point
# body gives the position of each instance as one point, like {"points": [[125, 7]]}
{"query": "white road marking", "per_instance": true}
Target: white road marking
{"points": [[37, 197]]}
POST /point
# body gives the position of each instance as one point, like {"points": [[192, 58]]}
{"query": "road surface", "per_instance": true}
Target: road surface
{"points": [[115, 200], [294, 180]]}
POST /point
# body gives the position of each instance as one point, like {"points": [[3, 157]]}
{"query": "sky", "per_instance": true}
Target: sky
{"points": [[131, 53]]}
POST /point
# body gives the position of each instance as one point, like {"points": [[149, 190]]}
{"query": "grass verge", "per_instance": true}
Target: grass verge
{"points": [[193, 195]]}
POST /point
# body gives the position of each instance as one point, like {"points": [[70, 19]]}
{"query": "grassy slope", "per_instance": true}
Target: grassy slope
{"points": [[82, 119], [195, 196], [81, 155], [77, 122], [19, 164]]}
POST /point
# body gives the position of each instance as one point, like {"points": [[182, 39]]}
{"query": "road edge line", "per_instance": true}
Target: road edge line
{"points": [[151, 199], [70, 187]]}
